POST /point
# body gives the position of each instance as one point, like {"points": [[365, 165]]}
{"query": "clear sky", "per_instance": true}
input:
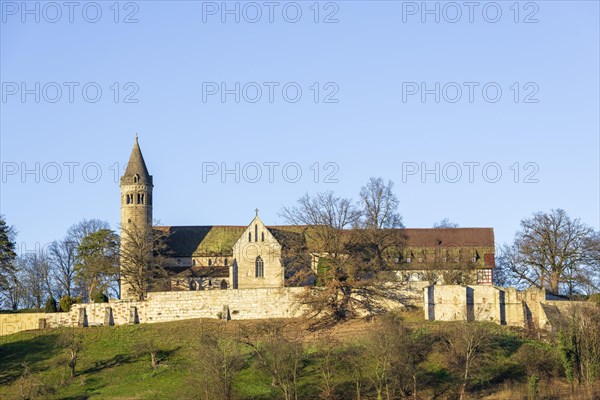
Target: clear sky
{"points": [[386, 90]]}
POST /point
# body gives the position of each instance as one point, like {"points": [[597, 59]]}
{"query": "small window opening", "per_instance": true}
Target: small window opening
{"points": [[260, 267]]}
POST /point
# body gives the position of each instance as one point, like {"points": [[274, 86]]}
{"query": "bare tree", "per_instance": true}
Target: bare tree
{"points": [[143, 257], [219, 361], [353, 361], [328, 363], [325, 218], [377, 242], [148, 346], [77, 232], [445, 223], [12, 291], [62, 255], [379, 205], [467, 344], [551, 250], [393, 355], [355, 246], [35, 277], [379, 362], [71, 343], [280, 356], [30, 386], [327, 215]]}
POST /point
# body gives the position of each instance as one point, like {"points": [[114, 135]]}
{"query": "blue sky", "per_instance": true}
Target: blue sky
{"points": [[158, 77]]}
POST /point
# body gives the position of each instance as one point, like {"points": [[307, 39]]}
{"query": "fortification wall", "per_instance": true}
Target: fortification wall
{"points": [[475, 303], [13, 323], [172, 306], [241, 304]]}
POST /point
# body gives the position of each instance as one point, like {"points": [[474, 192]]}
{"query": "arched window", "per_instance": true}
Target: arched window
{"points": [[249, 236], [255, 232], [223, 284], [136, 178], [227, 262], [260, 267], [262, 236], [209, 262]]}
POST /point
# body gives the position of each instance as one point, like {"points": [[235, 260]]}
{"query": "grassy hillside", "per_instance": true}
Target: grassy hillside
{"points": [[112, 366]]}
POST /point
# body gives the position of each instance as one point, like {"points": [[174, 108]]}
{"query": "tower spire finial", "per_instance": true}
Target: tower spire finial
{"points": [[256, 211], [136, 136]]}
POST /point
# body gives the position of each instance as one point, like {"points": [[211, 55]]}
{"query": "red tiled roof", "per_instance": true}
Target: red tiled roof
{"points": [[449, 237]]}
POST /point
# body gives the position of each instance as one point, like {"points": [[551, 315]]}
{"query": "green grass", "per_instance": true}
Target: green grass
{"points": [[110, 368]]}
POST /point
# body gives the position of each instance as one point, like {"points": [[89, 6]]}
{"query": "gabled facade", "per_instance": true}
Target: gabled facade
{"points": [[257, 258]]}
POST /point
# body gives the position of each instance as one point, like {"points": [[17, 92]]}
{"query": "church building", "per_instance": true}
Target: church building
{"points": [[217, 257]]}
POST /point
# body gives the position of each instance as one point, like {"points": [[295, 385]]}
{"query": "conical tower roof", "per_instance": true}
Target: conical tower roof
{"points": [[136, 167]]}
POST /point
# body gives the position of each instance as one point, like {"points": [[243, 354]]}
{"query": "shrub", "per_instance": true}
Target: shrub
{"points": [[66, 302], [99, 297], [50, 306], [539, 359]]}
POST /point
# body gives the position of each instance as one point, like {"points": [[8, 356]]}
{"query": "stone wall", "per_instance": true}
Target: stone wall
{"points": [[239, 304], [505, 306], [173, 306], [13, 323], [530, 308]]}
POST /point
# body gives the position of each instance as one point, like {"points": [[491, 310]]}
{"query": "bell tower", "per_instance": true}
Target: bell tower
{"points": [[136, 198], [136, 191]]}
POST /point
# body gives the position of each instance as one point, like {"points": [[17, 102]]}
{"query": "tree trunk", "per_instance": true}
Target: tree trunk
{"points": [[415, 387], [463, 388], [555, 282]]}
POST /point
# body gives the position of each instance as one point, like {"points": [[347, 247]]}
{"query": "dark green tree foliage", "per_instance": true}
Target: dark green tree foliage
{"points": [[97, 260], [50, 306], [99, 297], [66, 302], [579, 344], [7, 250]]}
